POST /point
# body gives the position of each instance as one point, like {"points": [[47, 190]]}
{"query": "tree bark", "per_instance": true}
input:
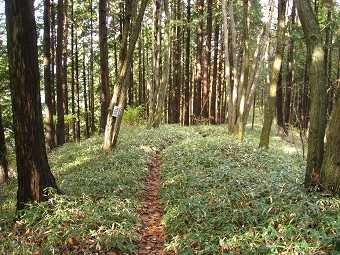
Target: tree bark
{"points": [[3, 154], [317, 76], [290, 70], [118, 99], [59, 72], [64, 71], [212, 119], [34, 174], [270, 103], [245, 68], [187, 69], [199, 63], [207, 64], [330, 169], [104, 65], [50, 129]]}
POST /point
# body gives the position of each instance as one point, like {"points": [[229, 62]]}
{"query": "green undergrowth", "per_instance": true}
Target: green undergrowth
{"points": [[226, 197], [220, 197], [97, 213]]}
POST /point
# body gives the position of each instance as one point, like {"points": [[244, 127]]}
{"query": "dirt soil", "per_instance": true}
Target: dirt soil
{"points": [[151, 212]]}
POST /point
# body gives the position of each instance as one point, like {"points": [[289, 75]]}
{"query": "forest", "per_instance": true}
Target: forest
{"points": [[169, 127]]}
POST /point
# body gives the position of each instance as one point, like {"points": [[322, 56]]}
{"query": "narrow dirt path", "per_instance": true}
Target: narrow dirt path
{"points": [[151, 229]]}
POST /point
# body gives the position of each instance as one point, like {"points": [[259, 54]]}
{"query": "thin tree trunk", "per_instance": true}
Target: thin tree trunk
{"points": [[199, 63], [317, 76], [279, 106], [91, 86], [214, 75], [59, 60], [77, 88], [73, 77], [64, 72], [3, 154], [226, 67], [177, 68], [104, 65], [187, 69], [270, 104], [247, 6], [207, 64], [290, 69], [50, 131], [87, 124]]}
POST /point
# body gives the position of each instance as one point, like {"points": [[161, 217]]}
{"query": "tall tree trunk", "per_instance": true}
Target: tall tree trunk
{"points": [[207, 64], [226, 68], [87, 124], [290, 69], [279, 106], [53, 57], [199, 63], [119, 95], [59, 60], [187, 69], [270, 103], [330, 170], [34, 174], [50, 131], [161, 91], [212, 119], [247, 5], [64, 75], [261, 50], [328, 55], [234, 79], [3, 154], [73, 77], [91, 86], [77, 87], [156, 74], [177, 67], [104, 65], [317, 76]]}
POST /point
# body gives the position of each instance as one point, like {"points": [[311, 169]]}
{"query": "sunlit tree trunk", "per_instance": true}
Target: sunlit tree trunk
{"points": [[73, 77], [262, 47], [212, 119], [317, 78], [269, 107], [34, 174], [85, 93], [245, 68], [161, 91], [119, 95], [226, 68], [50, 131], [330, 170], [3, 154]]}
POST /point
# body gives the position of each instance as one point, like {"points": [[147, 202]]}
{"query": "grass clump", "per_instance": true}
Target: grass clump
{"points": [[226, 197]]}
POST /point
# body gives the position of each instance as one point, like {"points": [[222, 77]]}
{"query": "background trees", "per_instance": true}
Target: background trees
{"points": [[194, 62]]}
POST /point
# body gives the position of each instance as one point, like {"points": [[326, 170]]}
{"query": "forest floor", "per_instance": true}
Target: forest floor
{"points": [[203, 192]]}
